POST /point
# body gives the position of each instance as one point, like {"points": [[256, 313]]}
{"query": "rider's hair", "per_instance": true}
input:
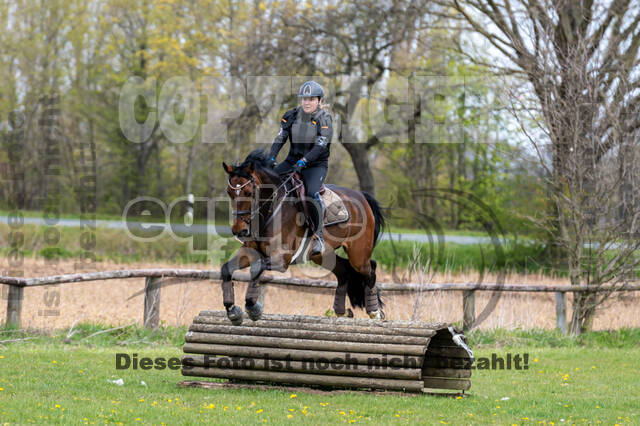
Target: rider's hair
{"points": [[324, 106]]}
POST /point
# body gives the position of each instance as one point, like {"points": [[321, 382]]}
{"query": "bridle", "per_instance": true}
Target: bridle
{"points": [[255, 206]]}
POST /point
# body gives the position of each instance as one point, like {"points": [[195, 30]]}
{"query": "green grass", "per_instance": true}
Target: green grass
{"points": [[513, 256], [464, 232], [116, 245], [46, 380]]}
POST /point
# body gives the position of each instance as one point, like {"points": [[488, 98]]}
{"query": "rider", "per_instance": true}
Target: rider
{"points": [[309, 128]]}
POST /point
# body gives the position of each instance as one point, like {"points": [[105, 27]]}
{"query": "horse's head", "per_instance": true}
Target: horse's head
{"points": [[241, 189], [244, 182]]}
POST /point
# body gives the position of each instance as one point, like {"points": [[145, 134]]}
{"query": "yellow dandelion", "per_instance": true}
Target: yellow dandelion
{"points": [[141, 400], [293, 395], [292, 409], [239, 408], [1, 389], [458, 397], [57, 405], [536, 360], [342, 413], [259, 411], [1, 356], [289, 416], [55, 362]]}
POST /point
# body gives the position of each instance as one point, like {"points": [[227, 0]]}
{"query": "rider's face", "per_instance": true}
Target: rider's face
{"points": [[310, 104]]}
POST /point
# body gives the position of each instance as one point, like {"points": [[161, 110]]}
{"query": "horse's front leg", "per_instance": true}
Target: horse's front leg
{"points": [[255, 308], [243, 258], [274, 263]]}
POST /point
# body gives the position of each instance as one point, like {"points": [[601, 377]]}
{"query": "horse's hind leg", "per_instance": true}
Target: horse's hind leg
{"points": [[341, 272], [360, 259]]}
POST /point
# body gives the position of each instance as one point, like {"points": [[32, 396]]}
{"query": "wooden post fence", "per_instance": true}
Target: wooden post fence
{"points": [[561, 311], [468, 309], [152, 302], [153, 283]]}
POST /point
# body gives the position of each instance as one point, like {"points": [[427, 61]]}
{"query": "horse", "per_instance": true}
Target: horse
{"points": [[270, 224]]}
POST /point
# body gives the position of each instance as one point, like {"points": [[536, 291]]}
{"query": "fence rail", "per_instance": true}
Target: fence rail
{"points": [[153, 281]]}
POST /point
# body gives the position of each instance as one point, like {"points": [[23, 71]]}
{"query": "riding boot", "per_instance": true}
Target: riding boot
{"points": [[318, 241]]}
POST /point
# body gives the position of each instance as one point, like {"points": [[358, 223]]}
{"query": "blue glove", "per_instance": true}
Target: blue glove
{"points": [[300, 164]]}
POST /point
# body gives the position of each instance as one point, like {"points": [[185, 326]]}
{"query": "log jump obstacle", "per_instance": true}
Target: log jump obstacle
{"points": [[334, 353]]}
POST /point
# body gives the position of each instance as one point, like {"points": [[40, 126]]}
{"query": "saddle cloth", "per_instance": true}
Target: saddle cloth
{"points": [[335, 211]]}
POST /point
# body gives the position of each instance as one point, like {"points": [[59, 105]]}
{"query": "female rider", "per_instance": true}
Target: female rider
{"points": [[309, 129]]}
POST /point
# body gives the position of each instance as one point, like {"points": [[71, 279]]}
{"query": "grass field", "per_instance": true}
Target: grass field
{"points": [[45, 380]]}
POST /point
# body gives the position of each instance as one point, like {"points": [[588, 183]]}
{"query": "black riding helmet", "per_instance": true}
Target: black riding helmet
{"points": [[311, 89]]}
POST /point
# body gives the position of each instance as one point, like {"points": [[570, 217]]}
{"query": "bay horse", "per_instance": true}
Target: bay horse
{"points": [[269, 223]]}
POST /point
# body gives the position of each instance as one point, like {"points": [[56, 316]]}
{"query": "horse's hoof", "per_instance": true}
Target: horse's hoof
{"points": [[235, 315], [254, 311], [375, 314]]}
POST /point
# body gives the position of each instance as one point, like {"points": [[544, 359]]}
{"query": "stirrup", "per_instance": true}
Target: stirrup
{"points": [[317, 243]]}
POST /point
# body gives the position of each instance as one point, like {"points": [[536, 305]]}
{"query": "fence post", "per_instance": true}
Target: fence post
{"points": [[152, 302], [561, 311], [14, 305], [468, 309]]}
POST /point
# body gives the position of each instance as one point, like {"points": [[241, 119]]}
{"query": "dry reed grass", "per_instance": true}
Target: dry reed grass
{"points": [[121, 301]]}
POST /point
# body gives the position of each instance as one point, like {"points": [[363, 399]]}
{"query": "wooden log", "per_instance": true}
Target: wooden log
{"points": [[14, 306], [307, 379], [442, 383], [287, 343], [329, 366], [360, 358], [561, 311], [382, 330], [152, 302], [340, 321], [445, 372], [468, 309], [308, 334]]}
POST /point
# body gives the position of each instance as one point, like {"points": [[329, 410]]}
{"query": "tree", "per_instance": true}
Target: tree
{"points": [[580, 60], [356, 44]]}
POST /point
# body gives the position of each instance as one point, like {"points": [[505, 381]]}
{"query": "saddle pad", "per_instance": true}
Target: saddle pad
{"points": [[335, 210]]}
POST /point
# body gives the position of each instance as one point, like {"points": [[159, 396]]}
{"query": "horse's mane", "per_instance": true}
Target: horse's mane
{"points": [[261, 164]]}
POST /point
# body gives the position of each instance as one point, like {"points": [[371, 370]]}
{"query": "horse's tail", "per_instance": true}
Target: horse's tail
{"points": [[377, 214]]}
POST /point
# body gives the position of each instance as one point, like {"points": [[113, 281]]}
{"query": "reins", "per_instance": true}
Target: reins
{"points": [[255, 206]]}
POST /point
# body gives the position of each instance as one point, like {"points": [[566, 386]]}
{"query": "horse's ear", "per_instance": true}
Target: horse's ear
{"points": [[226, 168]]}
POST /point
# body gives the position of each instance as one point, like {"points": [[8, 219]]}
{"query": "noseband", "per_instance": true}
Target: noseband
{"points": [[240, 213]]}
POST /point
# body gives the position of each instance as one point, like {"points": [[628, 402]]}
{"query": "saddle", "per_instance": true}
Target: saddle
{"points": [[335, 210]]}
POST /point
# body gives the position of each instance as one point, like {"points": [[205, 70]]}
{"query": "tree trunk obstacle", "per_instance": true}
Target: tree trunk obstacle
{"points": [[328, 353]]}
